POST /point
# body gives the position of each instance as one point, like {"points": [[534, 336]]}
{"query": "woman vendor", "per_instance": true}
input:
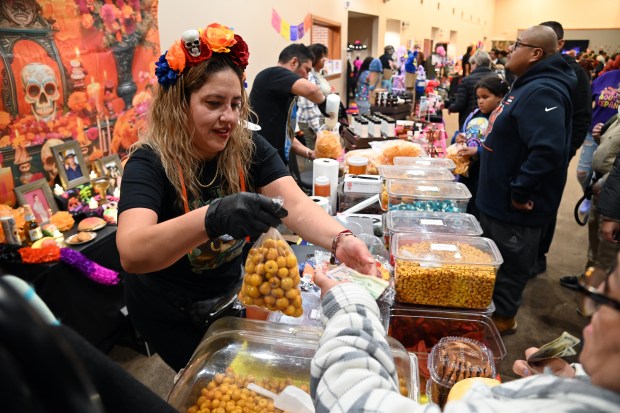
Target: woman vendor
{"points": [[197, 184]]}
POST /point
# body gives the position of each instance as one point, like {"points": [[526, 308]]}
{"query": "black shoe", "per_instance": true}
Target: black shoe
{"points": [[539, 268], [570, 281]]}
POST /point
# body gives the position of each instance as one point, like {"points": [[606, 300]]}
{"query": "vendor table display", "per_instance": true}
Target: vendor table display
{"points": [[90, 308]]}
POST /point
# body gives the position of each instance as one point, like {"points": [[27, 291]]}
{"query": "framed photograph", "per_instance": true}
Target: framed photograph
{"points": [[111, 167], [72, 169], [39, 196]]}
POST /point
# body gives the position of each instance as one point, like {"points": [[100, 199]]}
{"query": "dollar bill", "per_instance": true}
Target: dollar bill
{"points": [[560, 347], [375, 286]]}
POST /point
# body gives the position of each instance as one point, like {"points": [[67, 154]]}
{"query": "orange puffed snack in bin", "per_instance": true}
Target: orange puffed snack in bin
{"points": [[271, 279]]}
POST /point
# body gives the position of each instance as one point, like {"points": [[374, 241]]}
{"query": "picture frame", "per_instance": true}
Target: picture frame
{"points": [[72, 169], [112, 167], [39, 196]]}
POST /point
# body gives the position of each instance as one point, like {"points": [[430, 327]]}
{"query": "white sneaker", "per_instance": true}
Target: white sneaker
{"points": [[584, 208]]}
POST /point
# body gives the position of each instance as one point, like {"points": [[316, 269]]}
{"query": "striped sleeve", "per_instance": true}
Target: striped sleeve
{"points": [[353, 369]]}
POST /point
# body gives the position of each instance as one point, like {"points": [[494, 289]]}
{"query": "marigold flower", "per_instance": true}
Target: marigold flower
{"points": [[87, 21], [176, 56], [218, 37]]}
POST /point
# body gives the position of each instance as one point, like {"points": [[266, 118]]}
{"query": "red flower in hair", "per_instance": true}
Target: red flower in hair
{"points": [[239, 53]]}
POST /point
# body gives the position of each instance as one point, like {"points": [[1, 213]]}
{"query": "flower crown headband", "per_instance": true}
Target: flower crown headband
{"points": [[195, 46]]}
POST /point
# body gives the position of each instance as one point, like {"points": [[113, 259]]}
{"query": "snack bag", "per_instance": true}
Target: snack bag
{"points": [[271, 279], [388, 150], [461, 162], [327, 144]]}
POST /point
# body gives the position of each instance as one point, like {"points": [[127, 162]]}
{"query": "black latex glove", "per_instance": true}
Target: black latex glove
{"points": [[243, 214]]}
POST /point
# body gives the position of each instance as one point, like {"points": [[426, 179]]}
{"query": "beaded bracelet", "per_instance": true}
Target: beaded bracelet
{"points": [[346, 232]]}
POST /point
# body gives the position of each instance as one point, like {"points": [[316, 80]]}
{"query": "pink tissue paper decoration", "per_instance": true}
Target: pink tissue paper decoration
{"points": [[89, 268]]}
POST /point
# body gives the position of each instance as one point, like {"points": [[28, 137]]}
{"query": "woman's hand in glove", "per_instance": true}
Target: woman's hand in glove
{"points": [[243, 214]]}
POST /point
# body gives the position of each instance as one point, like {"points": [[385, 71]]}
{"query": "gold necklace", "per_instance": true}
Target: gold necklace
{"points": [[210, 183]]}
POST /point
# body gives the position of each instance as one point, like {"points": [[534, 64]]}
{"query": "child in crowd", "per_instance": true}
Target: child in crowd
{"points": [[489, 91]]}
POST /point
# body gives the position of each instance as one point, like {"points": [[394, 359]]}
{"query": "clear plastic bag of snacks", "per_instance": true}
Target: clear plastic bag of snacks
{"points": [[271, 280], [461, 162], [328, 143]]}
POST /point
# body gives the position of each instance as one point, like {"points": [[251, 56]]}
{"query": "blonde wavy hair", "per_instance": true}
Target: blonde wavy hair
{"points": [[169, 130]]}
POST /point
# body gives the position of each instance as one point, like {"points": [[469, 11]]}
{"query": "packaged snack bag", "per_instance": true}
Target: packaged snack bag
{"points": [[328, 143], [271, 280], [461, 162]]}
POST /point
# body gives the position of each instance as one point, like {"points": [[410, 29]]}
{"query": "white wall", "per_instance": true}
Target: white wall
{"points": [[511, 15], [251, 19], [470, 21]]}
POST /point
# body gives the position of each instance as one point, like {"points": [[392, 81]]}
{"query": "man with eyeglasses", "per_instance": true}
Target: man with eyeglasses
{"points": [[524, 165], [353, 369], [581, 98]]}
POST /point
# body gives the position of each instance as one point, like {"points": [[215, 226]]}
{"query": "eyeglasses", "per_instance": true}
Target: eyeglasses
{"points": [[597, 297], [518, 44]]}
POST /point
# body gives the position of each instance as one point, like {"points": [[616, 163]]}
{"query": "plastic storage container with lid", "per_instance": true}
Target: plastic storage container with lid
{"points": [[424, 173], [236, 351], [417, 173], [429, 196], [445, 270], [454, 359], [425, 162], [456, 223], [420, 328]]}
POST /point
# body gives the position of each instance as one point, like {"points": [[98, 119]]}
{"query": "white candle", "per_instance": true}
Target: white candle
{"points": [[117, 192], [58, 191], [109, 137], [93, 90], [93, 175], [101, 148], [93, 204]]}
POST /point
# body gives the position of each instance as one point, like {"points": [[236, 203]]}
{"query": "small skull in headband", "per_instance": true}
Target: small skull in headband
{"points": [[191, 40]]}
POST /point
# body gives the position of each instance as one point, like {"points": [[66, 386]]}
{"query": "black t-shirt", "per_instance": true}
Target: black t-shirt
{"points": [[145, 185], [270, 99]]}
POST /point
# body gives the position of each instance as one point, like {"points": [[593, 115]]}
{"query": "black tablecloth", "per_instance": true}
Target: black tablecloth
{"points": [[92, 309]]}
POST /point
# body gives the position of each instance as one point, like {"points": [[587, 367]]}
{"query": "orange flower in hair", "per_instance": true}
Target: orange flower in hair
{"points": [[176, 56], [218, 37]]}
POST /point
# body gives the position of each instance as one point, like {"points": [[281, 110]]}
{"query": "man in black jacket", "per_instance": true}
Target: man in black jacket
{"points": [[581, 98], [524, 165], [466, 100]]}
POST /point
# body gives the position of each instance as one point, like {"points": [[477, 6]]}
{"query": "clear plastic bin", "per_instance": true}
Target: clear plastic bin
{"points": [[445, 270], [454, 359], [267, 353], [456, 223], [427, 196], [423, 173], [419, 329], [419, 161]]}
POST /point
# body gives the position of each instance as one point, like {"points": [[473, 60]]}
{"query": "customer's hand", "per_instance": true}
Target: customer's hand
{"points": [[557, 366], [527, 207], [323, 281], [243, 214], [610, 230], [596, 131]]}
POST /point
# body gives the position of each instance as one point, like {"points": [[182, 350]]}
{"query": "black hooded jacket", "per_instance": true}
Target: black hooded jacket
{"points": [[527, 146], [581, 97]]}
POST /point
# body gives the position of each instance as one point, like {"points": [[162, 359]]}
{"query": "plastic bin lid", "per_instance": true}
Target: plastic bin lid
{"points": [[421, 161], [428, 189], [425, 173], [444, 249], [433, 222]]}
